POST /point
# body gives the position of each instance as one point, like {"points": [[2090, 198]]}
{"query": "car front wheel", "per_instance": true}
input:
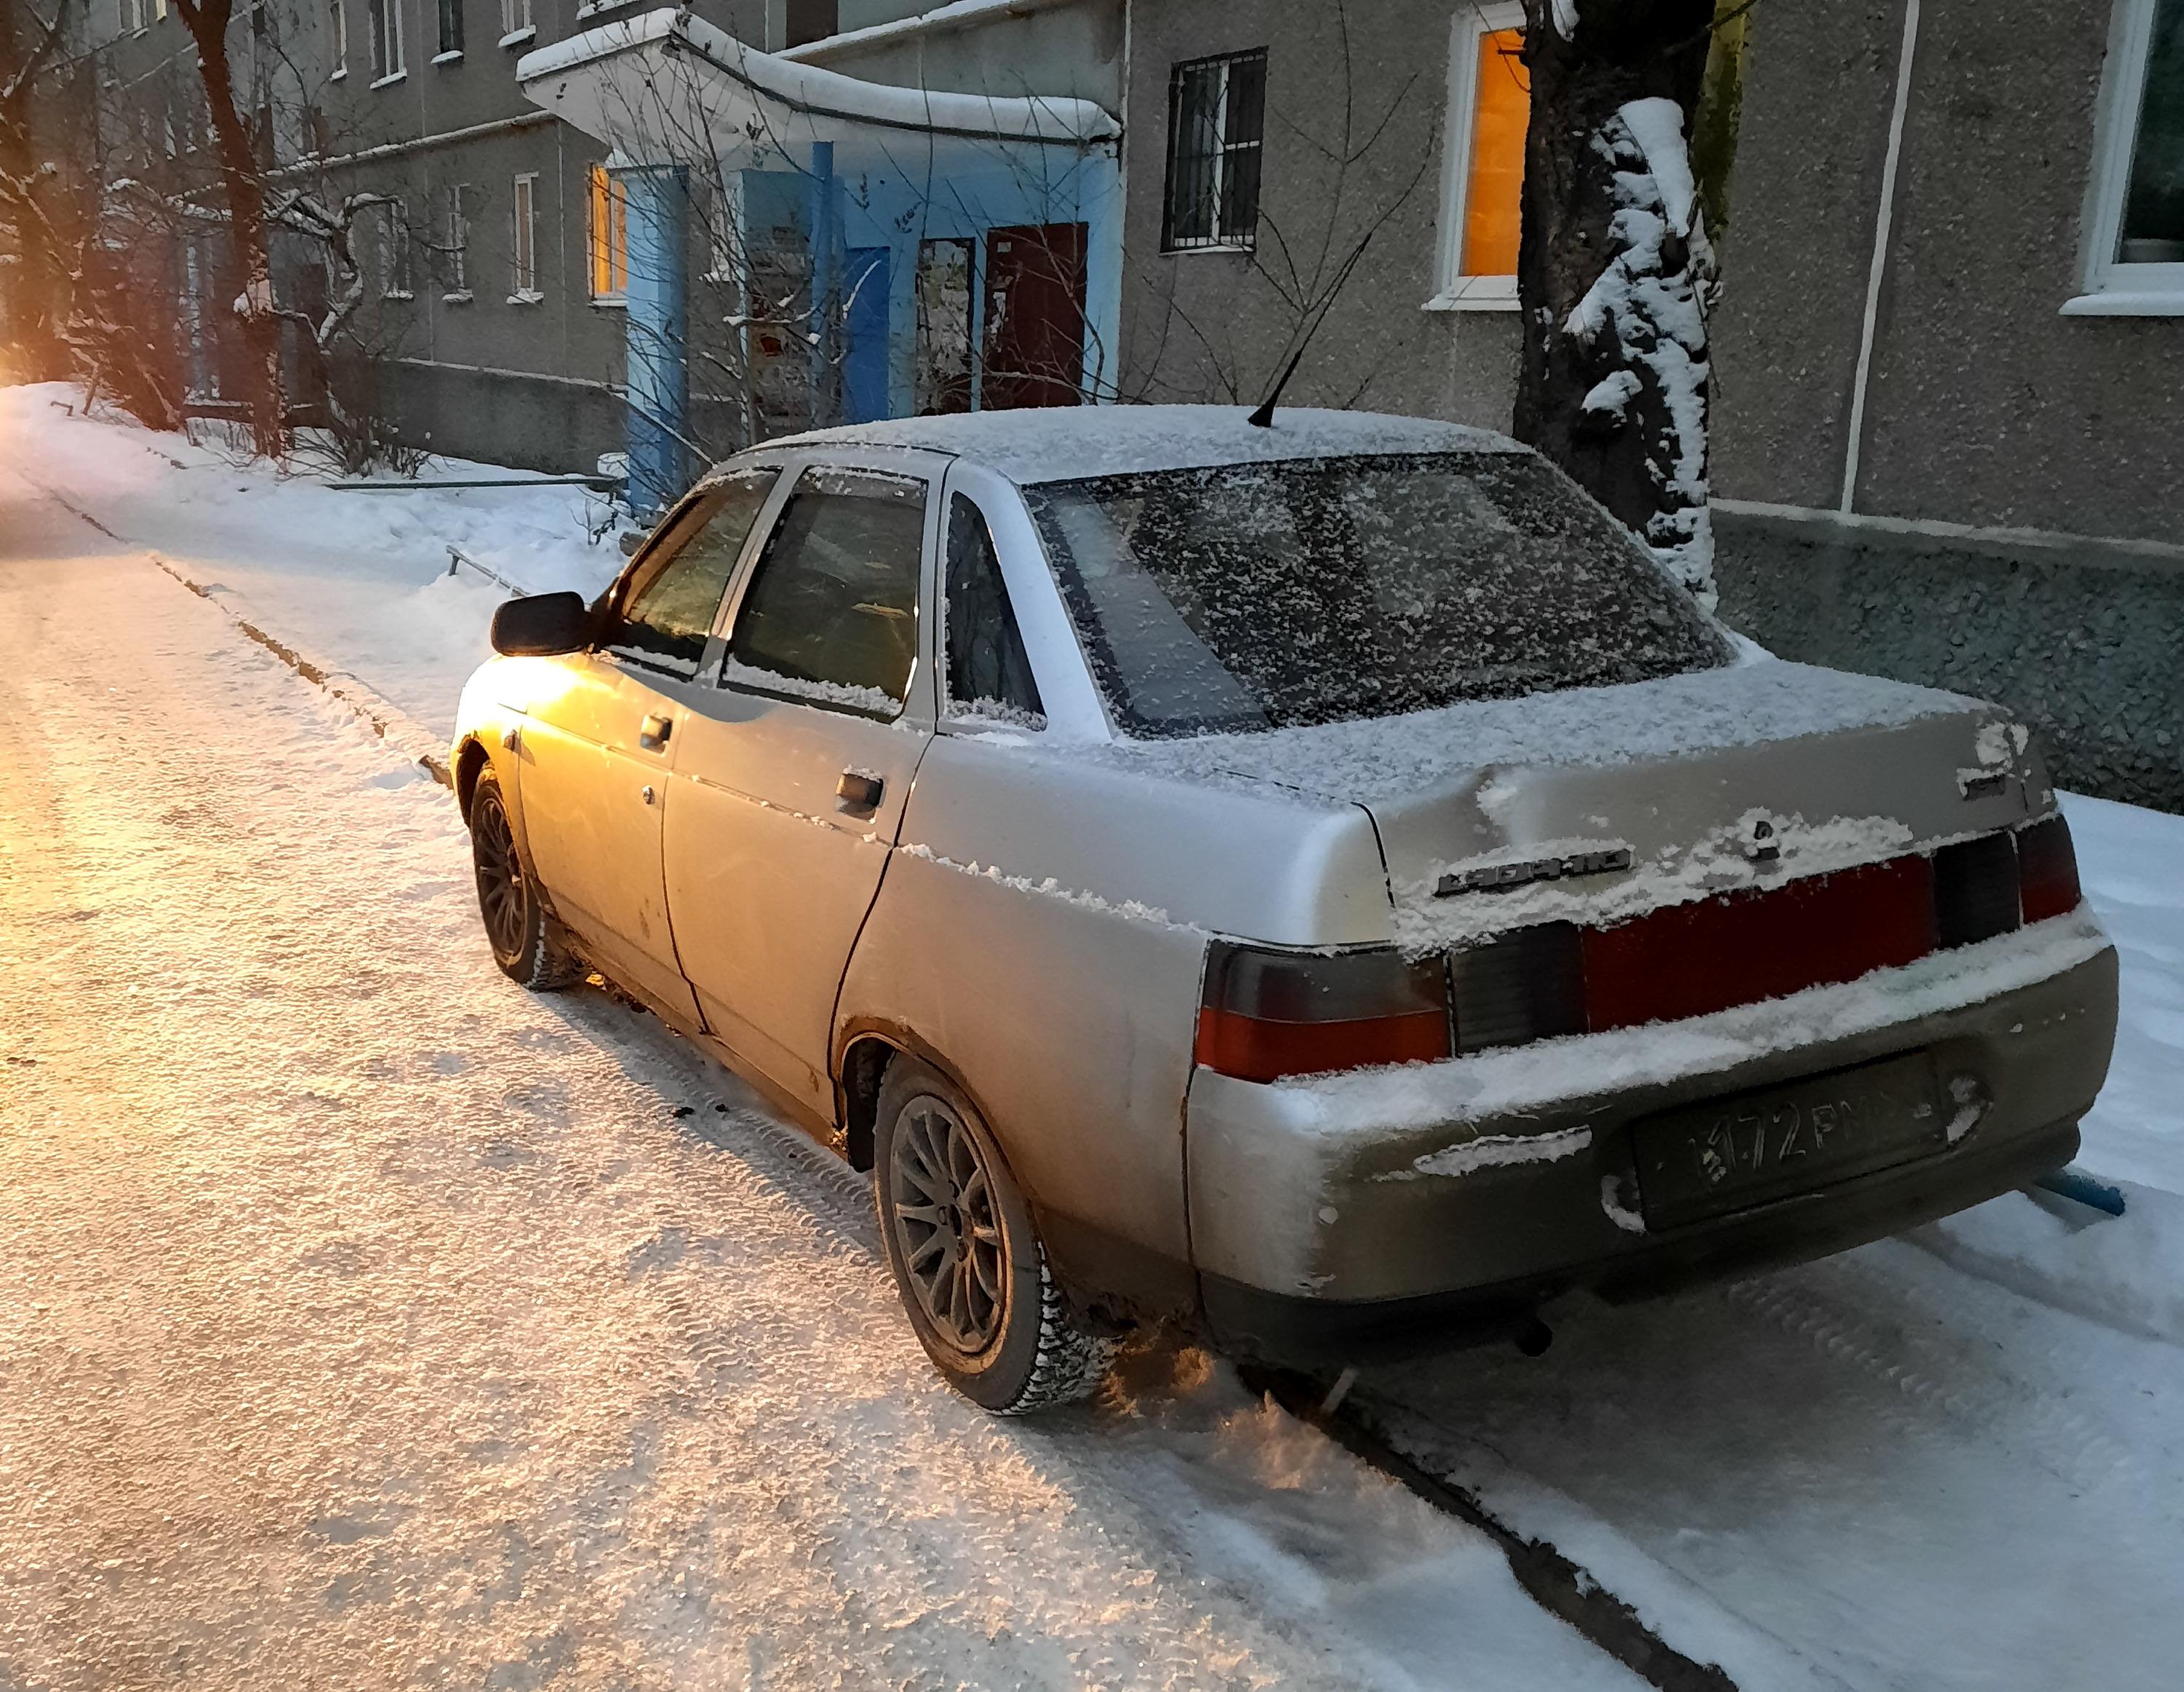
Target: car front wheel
{"points": [[966, 1258], [516, 926]]}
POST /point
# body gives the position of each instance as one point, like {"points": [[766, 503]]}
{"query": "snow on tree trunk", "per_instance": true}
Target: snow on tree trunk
{"points": [[1615, 273]]}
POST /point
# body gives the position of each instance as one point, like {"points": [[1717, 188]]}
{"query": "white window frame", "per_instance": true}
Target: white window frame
{"points": [[523, 242], [2111, 287], [341, 40], [1221, 65], [459, 247], [517, 25], [1453, 291], [387, 63], [134, 15], [395, 258]]}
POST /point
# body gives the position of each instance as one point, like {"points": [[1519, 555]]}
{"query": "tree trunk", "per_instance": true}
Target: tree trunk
{"points": [[244, 190], [1615, 272], [39, 207]]}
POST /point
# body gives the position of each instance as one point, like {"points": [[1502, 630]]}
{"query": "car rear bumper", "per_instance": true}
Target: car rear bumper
{"points": [[1321, 1228]]}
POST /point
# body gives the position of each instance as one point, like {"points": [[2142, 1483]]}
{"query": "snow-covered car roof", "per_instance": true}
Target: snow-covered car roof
{"points": [[1067, 442]]}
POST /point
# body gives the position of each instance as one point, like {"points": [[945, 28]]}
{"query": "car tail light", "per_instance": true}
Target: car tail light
{"points": [[1687, 960], [2047, 870], [1525, 986], [1975, 890], [1265, 1014]]}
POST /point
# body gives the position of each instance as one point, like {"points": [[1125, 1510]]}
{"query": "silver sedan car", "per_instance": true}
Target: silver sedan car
{"points": [[1323, 887]]}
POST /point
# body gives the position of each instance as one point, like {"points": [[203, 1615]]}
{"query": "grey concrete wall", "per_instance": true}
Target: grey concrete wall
{"points": [[532, 422], [1209, 326], [2081, 643], [1068, 51]]}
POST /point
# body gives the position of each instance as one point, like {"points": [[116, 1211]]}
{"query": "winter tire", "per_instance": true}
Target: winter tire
{"points": [[966, 1259], [524, 938]]}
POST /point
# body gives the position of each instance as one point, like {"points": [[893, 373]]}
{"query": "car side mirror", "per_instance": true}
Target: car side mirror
{"points": [[539, 625]]}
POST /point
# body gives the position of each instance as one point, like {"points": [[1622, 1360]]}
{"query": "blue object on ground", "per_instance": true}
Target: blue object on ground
{"points": [[2071, 1183]]}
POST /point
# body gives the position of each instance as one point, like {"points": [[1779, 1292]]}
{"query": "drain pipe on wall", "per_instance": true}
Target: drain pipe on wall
{"points": [[1884, 223]]}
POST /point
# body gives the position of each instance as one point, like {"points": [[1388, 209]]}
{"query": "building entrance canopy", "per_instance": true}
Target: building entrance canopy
{"points": [[668, 88]]}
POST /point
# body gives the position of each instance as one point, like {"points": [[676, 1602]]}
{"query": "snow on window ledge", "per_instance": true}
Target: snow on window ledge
{"points": [[526, 296], [461, 296], [517, 37], [392, 76], [397, 294], [2147, 303], [338, 76], [587, 9], [452, 56]]}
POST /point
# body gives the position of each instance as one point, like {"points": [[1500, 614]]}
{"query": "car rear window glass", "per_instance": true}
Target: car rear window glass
{"points": [[667, 616], [831, 614], [1268, 595], [988, 672]]}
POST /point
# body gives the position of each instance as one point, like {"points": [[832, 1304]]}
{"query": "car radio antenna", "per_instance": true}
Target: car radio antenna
{"points": [[1263, 418]]}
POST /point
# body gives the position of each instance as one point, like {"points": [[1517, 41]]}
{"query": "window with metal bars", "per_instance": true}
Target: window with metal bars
{"points": [[1216, 115]]}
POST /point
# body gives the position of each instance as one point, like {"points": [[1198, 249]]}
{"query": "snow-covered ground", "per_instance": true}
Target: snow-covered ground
{"points": [[363, 1320]]}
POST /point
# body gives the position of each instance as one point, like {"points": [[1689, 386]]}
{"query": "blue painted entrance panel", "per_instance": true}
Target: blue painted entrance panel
{"points": [[864, 287], [658, 370]]}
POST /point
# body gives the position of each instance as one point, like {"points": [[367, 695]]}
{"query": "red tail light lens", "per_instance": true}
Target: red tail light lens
{"points": [[1266, 1014], [2047, 870]]}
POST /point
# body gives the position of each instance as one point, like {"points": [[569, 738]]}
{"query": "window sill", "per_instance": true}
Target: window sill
{"points": [[526, 296], [397, 293], [587, 9], [612, 302], [2146, 303], [452, 56], [392, 76], [517, 37], [1477, 293], [461, 296], [340, 75], [1232, 247]]}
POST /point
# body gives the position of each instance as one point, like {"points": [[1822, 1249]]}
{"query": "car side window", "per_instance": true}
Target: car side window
{"points": [[666, 616], [831, 614], [988, 674]]}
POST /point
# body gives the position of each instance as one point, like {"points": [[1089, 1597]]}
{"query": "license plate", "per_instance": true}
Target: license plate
{"points": [[1708, 1159]]}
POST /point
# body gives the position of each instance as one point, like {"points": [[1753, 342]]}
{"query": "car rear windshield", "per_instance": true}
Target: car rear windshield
{"points": [[1267, 595]]}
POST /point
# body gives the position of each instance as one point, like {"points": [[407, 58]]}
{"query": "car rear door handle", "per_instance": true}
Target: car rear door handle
{"points": [[652, 733], [858, 791]]}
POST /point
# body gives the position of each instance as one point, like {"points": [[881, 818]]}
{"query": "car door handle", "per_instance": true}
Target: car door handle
{"points": [[858, 791], [652, 733]]}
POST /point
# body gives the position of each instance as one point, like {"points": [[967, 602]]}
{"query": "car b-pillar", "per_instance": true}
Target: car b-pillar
{"points": [[655, 363]]}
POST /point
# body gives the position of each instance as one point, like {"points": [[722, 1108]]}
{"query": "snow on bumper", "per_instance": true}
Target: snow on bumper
{"points": [[1428, 1179]]}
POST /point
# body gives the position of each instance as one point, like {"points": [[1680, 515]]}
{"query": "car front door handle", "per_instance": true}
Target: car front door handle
{"points": [[860, 792], [652, 733]]}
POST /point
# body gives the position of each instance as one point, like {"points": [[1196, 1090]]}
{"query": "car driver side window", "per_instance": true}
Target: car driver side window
{"points": [[989, 674], [831, 614], [666, 616]]}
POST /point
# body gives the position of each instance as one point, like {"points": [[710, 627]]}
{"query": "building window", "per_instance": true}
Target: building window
{"points": [[1216, 113], [458, 245], [516, 25], [386, 39], [810, 21], [1489, 104], [609, 223], [451, 29], [132, 16], [523, 242], [337, 24], [2134, 235], [394, 251]]}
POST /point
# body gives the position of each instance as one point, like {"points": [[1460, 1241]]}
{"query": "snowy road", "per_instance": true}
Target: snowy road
{"points": [[367, 1322]]}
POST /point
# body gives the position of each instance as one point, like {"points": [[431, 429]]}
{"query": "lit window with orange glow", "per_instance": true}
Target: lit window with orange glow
{"points": [[1489, 104], [609, 236]]}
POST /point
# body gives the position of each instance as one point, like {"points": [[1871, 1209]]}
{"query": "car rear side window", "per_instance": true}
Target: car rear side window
{"points": [[988, 674], [667, 616], [1266, 595], [831, 614]]}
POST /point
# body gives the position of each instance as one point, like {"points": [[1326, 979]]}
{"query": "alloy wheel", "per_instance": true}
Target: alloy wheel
{"points": [[946, 1227], [501, 892]]}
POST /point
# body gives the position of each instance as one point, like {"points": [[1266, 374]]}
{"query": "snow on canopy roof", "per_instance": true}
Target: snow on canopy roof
{"points": [[608, 81], [1065, 443]]}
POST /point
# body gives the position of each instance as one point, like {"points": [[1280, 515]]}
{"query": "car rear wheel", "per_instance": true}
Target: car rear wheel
{"points": [[966, 1258], [516, 925]]}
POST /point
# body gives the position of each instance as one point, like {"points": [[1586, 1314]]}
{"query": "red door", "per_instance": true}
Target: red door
{"points": [[1034, 350]]}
